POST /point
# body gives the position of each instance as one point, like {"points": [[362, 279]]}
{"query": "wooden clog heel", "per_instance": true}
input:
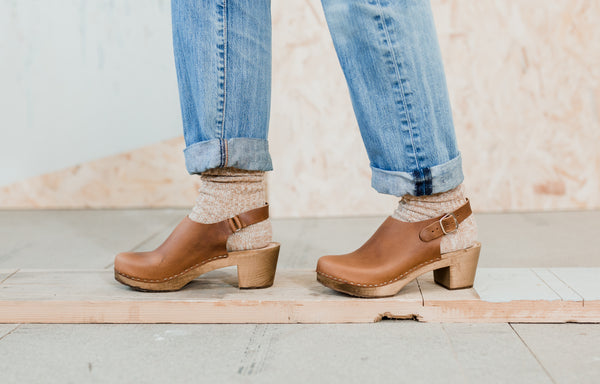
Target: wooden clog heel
{"points": [[256, 267], [461, 271]]}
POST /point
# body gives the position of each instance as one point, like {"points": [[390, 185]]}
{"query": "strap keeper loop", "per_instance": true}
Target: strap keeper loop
{"points": [[235, 223], [447, 215]]}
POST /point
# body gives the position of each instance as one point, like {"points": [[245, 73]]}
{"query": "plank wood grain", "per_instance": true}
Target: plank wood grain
{"points": [[557, 285], [585, 281], [92, 296], [501, 295]]}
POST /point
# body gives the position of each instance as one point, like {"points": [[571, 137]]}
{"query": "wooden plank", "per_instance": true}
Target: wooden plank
{"points": [[512, 284], [584, 281], [500, 295], [557, 285], [92, 296]]}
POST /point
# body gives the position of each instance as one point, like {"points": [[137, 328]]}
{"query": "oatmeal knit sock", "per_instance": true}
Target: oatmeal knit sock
{"points": [[226, 192], [418, 208]]}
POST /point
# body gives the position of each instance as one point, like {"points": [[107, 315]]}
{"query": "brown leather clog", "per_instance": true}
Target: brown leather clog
{"points": [[399, 252], [193, 249]]}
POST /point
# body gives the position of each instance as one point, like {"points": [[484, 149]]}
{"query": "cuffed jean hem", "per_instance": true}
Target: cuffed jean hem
{"points": [[427, 181], [239, 152]]}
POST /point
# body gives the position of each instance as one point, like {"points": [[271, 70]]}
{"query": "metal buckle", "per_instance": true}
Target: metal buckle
{"points": [[447, 215], [235, 224]]}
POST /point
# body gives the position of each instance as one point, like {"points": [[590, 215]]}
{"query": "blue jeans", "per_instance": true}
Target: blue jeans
{"points": [[390, 56]]}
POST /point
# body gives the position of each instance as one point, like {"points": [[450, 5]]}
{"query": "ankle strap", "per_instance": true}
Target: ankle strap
{"points": [[446, 224], [247, 218]]}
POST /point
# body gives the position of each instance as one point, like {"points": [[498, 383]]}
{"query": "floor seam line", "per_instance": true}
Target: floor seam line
{"points": [[11, 331], [533, 354], [454, 354]]}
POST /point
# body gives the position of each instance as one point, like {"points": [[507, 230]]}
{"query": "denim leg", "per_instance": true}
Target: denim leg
{"points": [[223, 59], [389, 53]]}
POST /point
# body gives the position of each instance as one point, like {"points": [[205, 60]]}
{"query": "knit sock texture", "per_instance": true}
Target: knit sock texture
{"points": [[419, 208], [226, 192]]}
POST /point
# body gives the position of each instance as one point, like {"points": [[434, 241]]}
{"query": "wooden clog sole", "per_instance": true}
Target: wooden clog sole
{"points": [[255, 269], [454, 270]]}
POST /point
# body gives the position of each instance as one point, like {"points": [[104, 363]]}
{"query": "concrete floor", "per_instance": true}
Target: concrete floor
{"points": [[401, 351]]}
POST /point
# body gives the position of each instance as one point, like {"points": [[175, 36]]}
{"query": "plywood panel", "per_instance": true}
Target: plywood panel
{"points": [[557, 285], [500, 295], [585, 281], [92, 296]]}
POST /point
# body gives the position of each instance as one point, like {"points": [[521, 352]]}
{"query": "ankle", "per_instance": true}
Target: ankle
{"points": [[255, 236], [419, 208], [226, 192]]}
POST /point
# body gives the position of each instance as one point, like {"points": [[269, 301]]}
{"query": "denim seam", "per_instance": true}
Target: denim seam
{"points": [[399, 79], [225, 52], [221, 152], [443, 177], [222, 48]]}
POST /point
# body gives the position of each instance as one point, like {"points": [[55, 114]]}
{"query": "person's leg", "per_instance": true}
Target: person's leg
{"points": [[223, 61], [390, 56], [392, 63]]}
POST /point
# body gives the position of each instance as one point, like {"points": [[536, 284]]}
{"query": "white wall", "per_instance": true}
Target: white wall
{"points": [[82, 79]]}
